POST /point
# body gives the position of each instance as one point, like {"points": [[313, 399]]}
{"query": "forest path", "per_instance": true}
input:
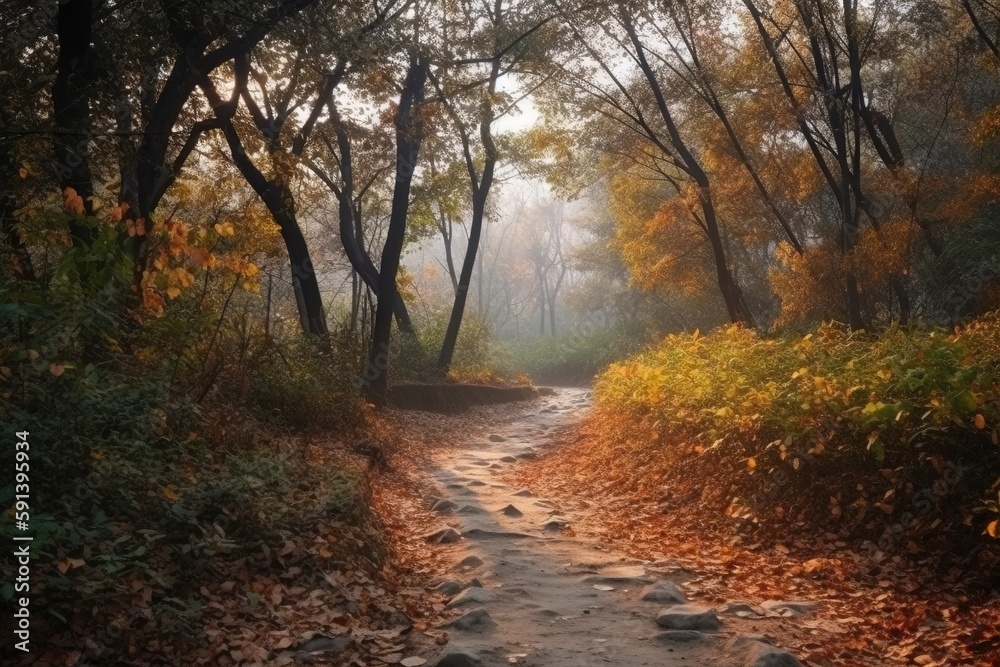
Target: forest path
{"points": [[531, 592]]}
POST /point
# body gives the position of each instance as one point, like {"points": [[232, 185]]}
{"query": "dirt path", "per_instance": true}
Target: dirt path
{"points": [[526, 590]]}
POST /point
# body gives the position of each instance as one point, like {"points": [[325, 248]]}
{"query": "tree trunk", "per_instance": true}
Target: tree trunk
{"points": [[71, 109], [736, 306], [21, 266], [480, 186], [407, 149], [465, 278], [350, 226], [307, 295]]}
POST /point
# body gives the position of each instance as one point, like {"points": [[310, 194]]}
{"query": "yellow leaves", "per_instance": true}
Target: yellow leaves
{"points": [[96, 455], [752, 463], [169, 494], [884, 374], [116, 213], [225, 229], [993, 528], [979, 422], [173, 292], [180, 277], [56, 369]]}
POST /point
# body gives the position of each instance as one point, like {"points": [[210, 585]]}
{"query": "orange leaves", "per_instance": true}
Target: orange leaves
{"points": [[136, 227], [202, 257], [65, 564], [152, 301], [177, 259], [72, 202]]}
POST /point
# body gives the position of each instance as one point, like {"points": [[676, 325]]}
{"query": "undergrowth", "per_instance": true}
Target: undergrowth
{"points": [[891, 436], [166, 457]]}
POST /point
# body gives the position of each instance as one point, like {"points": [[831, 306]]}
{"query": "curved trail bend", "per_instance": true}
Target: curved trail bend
{"points": [[532, 593]]}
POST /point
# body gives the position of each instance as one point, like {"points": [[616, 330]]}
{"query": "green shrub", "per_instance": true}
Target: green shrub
{"points": [[916, 412]]}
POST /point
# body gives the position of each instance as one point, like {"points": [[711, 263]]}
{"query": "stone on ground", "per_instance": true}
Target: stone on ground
{"points": [[448, 587], [472, 595], [682, 636], [524, 493], [444, 535], [510, 510], [666, 592], [622, 576], [323, 644], [475, 620], [688, 617], [555, 523], [444, 505], [741, 609], [497, 438], [458, 659], [789, 608], [470, 562], [763, 654]]}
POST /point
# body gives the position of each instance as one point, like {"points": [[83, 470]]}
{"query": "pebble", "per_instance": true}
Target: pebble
{"points": [[666, 592], [760, 654], [458, 659], [471, 596], [790, 609], [322, 644], [510, 510], [443, 536], [470, 562], [742, 609], [688, 617], [448, 587], [444, 505], [683, 636], [475, 620]]}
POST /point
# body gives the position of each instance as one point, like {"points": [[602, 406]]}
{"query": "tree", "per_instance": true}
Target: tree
{"points": [[634, 103], [500, 61], [409, 133]]}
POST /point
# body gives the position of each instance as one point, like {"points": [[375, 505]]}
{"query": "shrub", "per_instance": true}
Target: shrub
{"points": [[828, 411]]}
